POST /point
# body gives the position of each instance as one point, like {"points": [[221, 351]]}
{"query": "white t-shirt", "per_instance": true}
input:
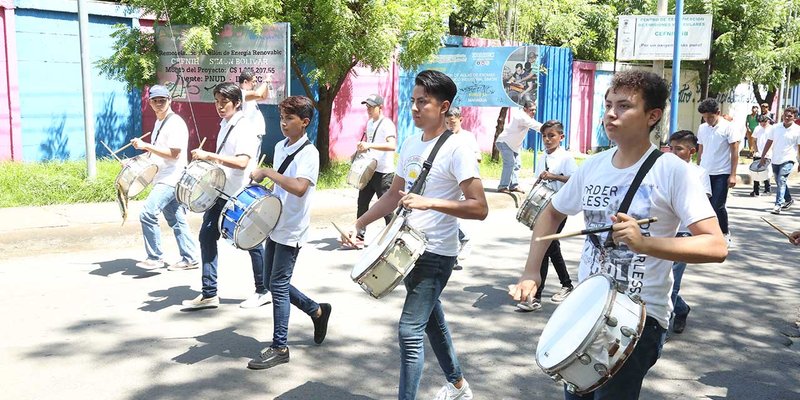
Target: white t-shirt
{"points": [[292, 227], [515, 130], [716, 141], [472, 143], [240, 141], [560, 162], [253, 113], [174, 135], [705, 182], [598, 188], [386, 129], [784, 142], [454, 163], [762, 135]]}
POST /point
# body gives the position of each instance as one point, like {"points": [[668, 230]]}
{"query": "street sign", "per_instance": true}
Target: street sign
{"points": [[651, 37]]}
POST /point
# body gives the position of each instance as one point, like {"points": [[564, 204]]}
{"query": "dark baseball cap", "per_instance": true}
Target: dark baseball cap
{"points": [[373, 100]]}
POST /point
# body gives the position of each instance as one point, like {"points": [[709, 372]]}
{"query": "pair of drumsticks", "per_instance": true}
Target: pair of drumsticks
{"points": [[114, 153]]}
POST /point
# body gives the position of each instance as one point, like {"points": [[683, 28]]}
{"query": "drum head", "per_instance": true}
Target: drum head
{"points": [[755, 168], [205, 191], [258, 222], [377, 247], [572, 322], [142, 180]]}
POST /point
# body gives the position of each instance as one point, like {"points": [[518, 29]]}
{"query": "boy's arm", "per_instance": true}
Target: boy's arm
{"points": [[296, 186], [705, 245], [260, 93], [546, 224], [473, 206], [385, 204], [238, 161], [734, 149]]}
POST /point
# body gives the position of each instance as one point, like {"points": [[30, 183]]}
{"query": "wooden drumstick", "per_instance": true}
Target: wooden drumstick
{"points": [[599, 229], [129, 144], [110, 151], [345, 237], [200, 146], [783, 232], [263, 156]]}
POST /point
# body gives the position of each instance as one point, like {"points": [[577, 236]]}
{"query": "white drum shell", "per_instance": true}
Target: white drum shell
{"points": [[533, 205], [361, 171], [763, 175], [389, 258], [199, 186], [137, 173], [585, 364]]}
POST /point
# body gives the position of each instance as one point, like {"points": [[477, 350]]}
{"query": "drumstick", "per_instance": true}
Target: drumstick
{"points": [[129, 144], [110, 151], [263, 156], [345, 236], [200, 146], [777, 228], [598, 229]]}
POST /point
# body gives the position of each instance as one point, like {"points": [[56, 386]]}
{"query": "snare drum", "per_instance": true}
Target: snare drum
{"points": [[590, 335], [538, 198], [361, 171], [200, 185], [249, 217], [389, 258], [137, 173], [761, 173]]}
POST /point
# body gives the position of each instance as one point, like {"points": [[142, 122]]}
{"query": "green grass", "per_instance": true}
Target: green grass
{"points": [[64, 182]]}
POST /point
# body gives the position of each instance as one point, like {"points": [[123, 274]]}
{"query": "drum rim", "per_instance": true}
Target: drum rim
{"points": [[371, 164], [126, 167], [525, 202], [601, 320], [228, 205], [384, 252], [180, 187]]}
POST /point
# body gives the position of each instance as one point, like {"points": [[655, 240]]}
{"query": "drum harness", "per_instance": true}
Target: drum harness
{"points": [[626, 202], [416, 188], [364, 137]]}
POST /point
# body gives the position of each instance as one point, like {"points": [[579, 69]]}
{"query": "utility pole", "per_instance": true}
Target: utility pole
{"points": [[660, 134], [86, 71]]}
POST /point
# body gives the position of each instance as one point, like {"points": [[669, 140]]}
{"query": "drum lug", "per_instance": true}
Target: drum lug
{"points": [[628, 332], [611, 321], [584, 359], [572, 388], [612, 350], [636, 299], [556, 377], [601, 369]]}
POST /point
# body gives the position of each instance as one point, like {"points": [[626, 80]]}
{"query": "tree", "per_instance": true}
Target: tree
{"points": [[329, 36]]}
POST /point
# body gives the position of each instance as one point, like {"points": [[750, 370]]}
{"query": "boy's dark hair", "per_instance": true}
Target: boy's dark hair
{"points": [[709, 105], [684, 136], [762, 118], [654, 88], [231, 92], [297, 105], [246, 75], [791, 109], [553, 124], [453, 112], [528, 104], [437, 85], [519, 65]]}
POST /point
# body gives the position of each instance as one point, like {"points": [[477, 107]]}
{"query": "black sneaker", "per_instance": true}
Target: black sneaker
{"points": [[321, 323], [753, 194], [269, 358], [788, 204], [679, 323]]}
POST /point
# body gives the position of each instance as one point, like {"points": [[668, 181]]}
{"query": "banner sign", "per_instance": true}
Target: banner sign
{"points": [[651, 37], [191, 77], [490, 76]]}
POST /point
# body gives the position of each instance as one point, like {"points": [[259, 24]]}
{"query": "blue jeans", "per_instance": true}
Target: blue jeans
{"points": [[280, 266], [162, 199], [781, 172], [627, 382], [422, 311], [680, 306], [511, 164], [209, 234], [719, 196]]}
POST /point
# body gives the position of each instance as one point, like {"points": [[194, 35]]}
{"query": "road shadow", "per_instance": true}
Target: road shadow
{"points": [[317, 390], [327, 244], [124, 266], [490, 297], [748, 383], [223, 343], [164, 298]]}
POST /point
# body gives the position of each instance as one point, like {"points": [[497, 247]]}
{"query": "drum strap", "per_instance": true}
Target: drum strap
{"points": [[426, 166], [225, 139], [162, 127], [288, 160], [626, 202]]}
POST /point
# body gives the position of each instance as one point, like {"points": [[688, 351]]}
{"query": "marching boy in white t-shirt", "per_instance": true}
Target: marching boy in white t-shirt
{"points": [[640, 259], [554, 167], [295, 187]]}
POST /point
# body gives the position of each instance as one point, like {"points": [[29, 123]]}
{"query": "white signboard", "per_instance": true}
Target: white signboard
{"points": [[650, 37]]}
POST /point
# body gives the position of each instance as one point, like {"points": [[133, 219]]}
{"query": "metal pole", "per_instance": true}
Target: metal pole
{"points": [[676, 67], [86, 70]]}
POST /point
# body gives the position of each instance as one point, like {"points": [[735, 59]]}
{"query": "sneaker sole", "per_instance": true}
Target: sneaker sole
{"points": [[256, 366]]}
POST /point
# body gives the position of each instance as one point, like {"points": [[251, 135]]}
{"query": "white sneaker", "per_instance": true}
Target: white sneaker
{"points": [[561, 295], [729, 240], [256, 300], [183, 265], [530, 305], [449, 392], [776, 209], [465, 250], [150, 263], [201, 302]]}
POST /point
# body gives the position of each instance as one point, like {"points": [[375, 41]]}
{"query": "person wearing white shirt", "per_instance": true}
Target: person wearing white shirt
{"points": [[252, 93], [453, 122], [237, 146], [510, 141], [167, 150], [435, 211], [295, 181], [379, 142], [718, 153], [639, 258], [784, 138], [759, 135]]}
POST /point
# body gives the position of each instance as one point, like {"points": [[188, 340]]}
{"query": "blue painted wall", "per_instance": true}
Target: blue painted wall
{"points": [[555, 89], [51, 104]]}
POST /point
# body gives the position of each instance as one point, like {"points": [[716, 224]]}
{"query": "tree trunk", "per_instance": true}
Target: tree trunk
{"points": [[501, 123], [325, 108], [767, 99]]}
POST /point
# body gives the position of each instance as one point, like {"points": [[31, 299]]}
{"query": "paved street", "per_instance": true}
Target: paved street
{"points": [[84, 322]]}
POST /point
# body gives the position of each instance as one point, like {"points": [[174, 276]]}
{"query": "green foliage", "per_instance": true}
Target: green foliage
{"points": [[134, 60]]}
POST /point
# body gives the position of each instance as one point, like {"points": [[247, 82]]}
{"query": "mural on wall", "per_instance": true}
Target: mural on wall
{"points": [[521, 75], [193, 77], [602, 80]]}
